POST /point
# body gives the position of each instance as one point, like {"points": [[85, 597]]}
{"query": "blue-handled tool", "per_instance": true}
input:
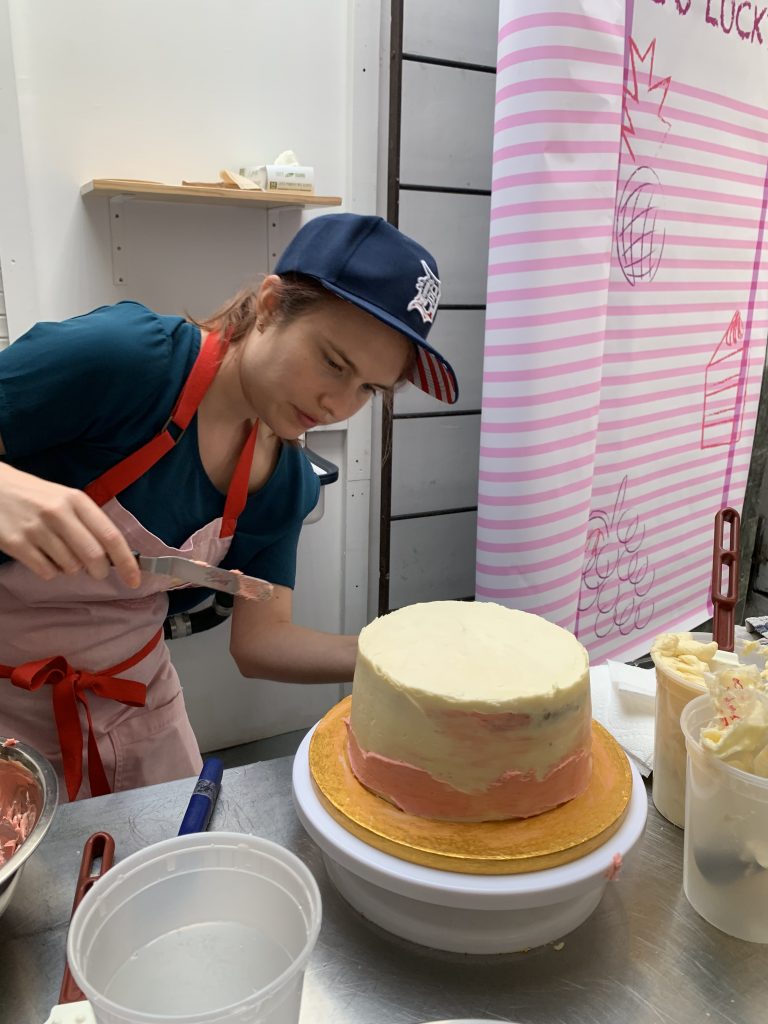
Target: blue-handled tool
{"points": [[203, 799]]}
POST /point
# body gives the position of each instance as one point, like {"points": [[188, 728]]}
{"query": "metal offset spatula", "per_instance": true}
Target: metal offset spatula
{"points": [[185, 570]]}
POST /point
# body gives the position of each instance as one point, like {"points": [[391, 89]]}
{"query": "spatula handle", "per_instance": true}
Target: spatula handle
{"points": [[99, 845], [725, 561]]}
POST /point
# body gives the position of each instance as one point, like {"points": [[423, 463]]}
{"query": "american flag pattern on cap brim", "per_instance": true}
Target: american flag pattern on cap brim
{"points": [[431, 375]]}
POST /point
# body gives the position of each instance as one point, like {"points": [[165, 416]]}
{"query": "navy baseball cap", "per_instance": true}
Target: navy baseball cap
{"points": [[371, 264]]}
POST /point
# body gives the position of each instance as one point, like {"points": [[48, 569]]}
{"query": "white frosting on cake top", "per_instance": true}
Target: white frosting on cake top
{"points": [[469, 691], [475, 654]]}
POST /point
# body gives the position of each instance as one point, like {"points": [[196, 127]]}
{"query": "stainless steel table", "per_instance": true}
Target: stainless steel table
{"points": [[643, 957]]}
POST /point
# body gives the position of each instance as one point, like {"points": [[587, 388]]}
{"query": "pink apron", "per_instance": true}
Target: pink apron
{"points": [[90, 680]]}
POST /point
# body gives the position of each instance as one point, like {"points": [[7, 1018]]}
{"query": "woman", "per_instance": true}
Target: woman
{"points": [[125, 431]]}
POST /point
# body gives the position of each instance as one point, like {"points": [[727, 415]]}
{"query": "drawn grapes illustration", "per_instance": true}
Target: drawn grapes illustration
{"points": [[617, 577]]}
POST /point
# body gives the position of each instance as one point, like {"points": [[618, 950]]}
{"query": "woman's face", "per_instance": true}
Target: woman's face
{"points": [[320, 368]]}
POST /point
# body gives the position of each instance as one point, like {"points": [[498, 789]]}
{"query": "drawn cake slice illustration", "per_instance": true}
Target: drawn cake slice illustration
{"points": [[724, 391]]}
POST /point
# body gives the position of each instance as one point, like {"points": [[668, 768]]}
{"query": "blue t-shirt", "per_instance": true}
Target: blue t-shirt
{"points": [[77, 397]]}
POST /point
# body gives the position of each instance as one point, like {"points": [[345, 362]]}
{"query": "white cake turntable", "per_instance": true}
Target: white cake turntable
{"points": [[453, 910]]}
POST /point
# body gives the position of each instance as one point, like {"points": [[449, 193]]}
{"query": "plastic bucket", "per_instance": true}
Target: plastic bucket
{"points": [[202, 928], [725, 860]]}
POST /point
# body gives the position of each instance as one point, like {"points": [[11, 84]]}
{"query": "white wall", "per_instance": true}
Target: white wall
{"points": [[178, 90], [3, 318], [16, 257], [165, 91]]}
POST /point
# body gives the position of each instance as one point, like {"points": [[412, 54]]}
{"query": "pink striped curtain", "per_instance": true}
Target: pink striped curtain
{"points": [[626, 317]]}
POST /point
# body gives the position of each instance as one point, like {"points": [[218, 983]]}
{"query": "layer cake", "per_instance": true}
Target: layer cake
{"points": [[470, 711]]}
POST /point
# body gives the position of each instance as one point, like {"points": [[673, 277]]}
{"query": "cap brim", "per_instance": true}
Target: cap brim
{"points": [[432, 373]]}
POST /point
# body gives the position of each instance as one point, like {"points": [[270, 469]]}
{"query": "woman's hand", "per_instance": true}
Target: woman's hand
{"points": [[50, 529]]}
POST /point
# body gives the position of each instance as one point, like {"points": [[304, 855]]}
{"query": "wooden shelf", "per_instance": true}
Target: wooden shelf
{"points": [[157, 190]]}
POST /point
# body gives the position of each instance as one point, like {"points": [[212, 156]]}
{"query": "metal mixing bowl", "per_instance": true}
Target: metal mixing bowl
{"points": [[46, 797]]}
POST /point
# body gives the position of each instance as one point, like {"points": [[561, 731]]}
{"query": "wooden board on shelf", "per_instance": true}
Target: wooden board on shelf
{"points": [[158, 190]]}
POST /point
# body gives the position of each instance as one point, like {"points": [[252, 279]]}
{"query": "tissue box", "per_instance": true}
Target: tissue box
{"points": [[282, 177]]}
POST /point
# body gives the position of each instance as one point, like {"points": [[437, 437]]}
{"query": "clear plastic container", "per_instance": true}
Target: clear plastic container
{"points": [[199, 929], [673, 693], [725, 860]]}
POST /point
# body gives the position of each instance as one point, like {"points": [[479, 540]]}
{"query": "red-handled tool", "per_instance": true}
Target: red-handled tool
{"points": [[725, 563], [99, 854]]}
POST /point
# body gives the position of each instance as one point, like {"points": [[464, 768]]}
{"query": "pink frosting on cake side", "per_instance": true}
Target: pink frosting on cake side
{"points": [[465, 726], [513, 795]]}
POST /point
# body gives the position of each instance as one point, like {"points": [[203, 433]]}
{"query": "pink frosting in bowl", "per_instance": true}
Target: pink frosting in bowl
{"points": [[21, 801], [29, 793]]}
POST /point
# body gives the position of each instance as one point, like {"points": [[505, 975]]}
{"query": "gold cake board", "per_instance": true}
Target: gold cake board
{"points": [[506, 847]]}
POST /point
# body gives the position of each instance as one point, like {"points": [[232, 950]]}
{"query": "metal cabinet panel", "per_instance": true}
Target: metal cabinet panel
{"points": [[435, 464], [432, 559], [446, 134], [452, 29], [458, 334], [455, 229]]}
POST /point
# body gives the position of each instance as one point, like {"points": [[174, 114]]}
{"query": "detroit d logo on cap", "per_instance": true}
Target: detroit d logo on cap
{"points": [[427, 296]]}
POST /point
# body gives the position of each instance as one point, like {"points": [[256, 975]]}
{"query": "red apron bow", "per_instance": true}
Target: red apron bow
{"points": [[69, 688]]}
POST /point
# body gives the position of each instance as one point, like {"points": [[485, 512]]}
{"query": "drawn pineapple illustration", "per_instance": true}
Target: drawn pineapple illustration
{"points": [[638, 228]]}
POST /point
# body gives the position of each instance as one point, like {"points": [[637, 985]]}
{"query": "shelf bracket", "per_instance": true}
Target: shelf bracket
{"points": [[117, 238], [282, 225]]}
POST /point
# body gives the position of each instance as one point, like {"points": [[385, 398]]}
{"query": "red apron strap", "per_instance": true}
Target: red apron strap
{"points": [[69, 688], [130, 469], [237, 494], [135, 465], [134, 659]]}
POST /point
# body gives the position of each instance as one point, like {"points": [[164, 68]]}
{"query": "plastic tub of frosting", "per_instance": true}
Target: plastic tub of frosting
{"points": [[725, 865], [673, 692], [463, 913]]}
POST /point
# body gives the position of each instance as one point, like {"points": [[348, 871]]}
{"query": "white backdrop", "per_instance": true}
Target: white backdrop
{"points": [[626, 321]]}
